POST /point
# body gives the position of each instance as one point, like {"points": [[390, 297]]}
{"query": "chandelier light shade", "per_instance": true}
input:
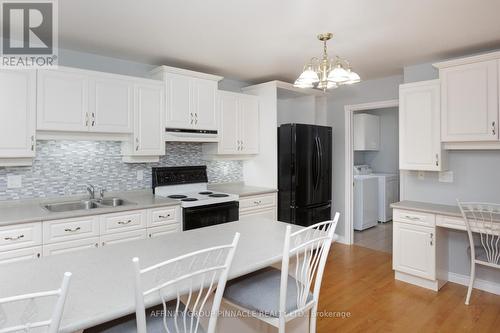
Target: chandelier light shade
{"points": [[326, 73]]}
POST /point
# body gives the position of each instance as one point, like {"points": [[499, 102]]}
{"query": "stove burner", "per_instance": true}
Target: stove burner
{"points": [[218, 195], [205, 193], [189, 199], [177, 196]]}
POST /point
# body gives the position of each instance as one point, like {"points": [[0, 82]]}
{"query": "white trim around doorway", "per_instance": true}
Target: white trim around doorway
{"points": [[349, 160]]}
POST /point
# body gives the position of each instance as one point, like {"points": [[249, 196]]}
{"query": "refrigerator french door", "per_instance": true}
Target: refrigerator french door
{"points": [[304, 173]]}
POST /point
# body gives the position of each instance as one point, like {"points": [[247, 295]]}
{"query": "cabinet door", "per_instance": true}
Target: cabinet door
{"points": [[9, 257], [249, 124], [111, 105], [419, 127], [163, 230], [203, 99], [265, 214], [366, 132], [18, 113], [229, 123], [123, 237], [470, 102], [72, 246], [179, 113], [413, 250], [149, 120], [62, 100]]}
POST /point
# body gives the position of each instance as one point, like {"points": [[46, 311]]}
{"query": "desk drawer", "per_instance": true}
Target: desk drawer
{"points": [[258, 201], [70, 229], [163, 216], [126, 221], [450, 222], [20, 235], [413, 217]]}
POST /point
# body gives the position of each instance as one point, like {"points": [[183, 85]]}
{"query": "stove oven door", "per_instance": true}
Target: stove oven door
{"points": [[205, 216]]}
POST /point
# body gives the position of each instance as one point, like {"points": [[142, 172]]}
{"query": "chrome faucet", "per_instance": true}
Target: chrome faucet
{"points": [[91, 190], [101, 194]]}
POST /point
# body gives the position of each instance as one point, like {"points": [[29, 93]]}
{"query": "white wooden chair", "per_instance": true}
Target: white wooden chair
{"points": [[27, 320], [275, 296], [482, 221]]}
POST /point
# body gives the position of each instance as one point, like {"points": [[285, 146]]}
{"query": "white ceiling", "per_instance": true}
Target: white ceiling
{"points": [[257, 40]]}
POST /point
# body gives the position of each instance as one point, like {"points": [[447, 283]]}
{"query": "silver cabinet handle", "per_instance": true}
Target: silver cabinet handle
{"points": [[192, 117], [136, 144], [73, 230], [38, 255], [93, 119], [432, 238], [14, 238], [413, 218], [124, 222], [164, 216], [258, 202], [97, 244], [86, 119], [32, 143], [437, 159], [493, 128]]}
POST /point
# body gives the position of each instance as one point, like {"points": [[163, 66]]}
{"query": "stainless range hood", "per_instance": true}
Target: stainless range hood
{"points": [[190, 135]]}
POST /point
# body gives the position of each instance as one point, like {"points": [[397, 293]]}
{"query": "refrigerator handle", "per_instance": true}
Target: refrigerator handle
{"points": [[318, 163], [320, 145]]}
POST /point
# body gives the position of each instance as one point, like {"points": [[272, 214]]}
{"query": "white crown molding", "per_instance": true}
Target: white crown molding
{"points": [[467, 60], [187, 72]]}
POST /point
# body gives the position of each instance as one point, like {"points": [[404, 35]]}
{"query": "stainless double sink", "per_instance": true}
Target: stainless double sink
{"points": [[68, 206]]}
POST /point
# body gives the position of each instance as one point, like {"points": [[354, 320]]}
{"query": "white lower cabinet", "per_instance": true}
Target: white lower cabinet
{"points": [[414, 251], [262, 205], [12, 256], [71, 246], [123, 237], [163, 230]]}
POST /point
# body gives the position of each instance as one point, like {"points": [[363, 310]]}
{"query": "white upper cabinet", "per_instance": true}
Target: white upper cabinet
{"points": [[17, 113], [419, 127], [190, 98], [239, 125], [366, 132], [249, 124], [470, 97], [111, 105], [62, 100], [149, 123], [76, 100]]}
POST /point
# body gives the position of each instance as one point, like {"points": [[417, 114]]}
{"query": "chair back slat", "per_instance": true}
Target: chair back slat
{"points": [[27, 319], [309, 247], [190, 280], [483, 221]]}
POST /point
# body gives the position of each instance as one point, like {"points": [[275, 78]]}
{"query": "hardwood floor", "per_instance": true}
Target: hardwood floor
{"points": [[360, 282], [377, 238]]}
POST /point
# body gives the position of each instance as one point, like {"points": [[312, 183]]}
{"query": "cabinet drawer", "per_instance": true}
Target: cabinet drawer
{"points": [[412, 217], [120, 222], [258, 201], [28, 253], [71, 246], [162, 216], [70, 229], [122, 237], [450, 222], [20, 235], [164, 230]]}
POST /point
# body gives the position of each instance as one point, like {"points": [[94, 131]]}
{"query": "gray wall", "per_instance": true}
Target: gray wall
{"points": [[386, 159], [300, 110], [476, 178], [364, 92]]}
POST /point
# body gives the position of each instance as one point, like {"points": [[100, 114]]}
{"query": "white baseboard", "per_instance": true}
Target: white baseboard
{"points": [[488, 286]]}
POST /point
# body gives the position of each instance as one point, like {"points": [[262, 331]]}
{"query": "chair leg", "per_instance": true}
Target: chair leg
{"points": [[282, 324], [312, 320], [471, 281]]}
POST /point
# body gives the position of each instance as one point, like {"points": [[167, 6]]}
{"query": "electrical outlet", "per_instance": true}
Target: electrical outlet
{"points": [[140, 174], [446, 176], [421, 175], [14, 181]]}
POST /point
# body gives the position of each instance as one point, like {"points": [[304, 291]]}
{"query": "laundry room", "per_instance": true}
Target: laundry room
{"points": [[375, 176]]}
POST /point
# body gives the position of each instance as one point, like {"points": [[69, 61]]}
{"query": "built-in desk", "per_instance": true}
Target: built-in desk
{"points": [[420, 249]]}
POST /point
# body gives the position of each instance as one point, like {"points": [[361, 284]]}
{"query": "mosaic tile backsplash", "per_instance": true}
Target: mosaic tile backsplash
{"points": [[65, 167]]}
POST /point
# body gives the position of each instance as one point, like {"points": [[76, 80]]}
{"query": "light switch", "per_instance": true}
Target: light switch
{"points": [[140, 174], [14, 181], [446, 176], [421, 175]]}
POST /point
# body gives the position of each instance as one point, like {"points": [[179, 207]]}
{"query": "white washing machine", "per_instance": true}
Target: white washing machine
{"points": [[388, 193], [365, 201]]}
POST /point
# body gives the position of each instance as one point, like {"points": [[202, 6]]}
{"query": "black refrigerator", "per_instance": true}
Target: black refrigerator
{"points": [[304, 173]]}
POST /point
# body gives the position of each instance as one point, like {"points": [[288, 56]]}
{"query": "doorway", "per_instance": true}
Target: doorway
{"points": [[372, 173]]}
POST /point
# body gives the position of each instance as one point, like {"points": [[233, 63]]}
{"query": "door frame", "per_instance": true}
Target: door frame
{"points": [[349, 160]]}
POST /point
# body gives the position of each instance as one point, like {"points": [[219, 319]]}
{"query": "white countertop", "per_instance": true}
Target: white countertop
{"points": [[240, 189], [24, 211], [426, 207], [102, 286]]}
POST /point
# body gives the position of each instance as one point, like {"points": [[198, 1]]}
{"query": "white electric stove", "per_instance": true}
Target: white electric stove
{"points": [[189, 185]]}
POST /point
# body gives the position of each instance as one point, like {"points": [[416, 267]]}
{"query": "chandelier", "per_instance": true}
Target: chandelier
{"points": [[326, 73]]}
